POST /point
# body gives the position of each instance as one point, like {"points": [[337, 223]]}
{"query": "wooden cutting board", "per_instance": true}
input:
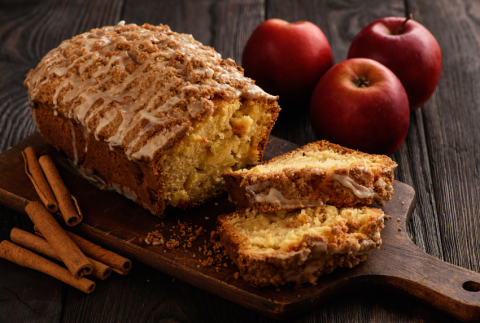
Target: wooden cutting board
{"points": [[118, 224]]}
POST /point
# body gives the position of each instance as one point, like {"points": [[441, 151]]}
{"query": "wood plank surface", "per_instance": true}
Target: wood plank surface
{"points": [[28, 30], [439, 157], [118, 224], [451, 120]]}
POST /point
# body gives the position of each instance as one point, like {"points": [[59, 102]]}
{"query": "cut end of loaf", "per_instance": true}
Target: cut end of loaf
{"points": [[232, 138]]}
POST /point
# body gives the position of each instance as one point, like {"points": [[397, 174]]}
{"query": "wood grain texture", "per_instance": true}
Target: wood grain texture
{"points": [[341, 21], [451, 119], [398, 266], [28, 29]]}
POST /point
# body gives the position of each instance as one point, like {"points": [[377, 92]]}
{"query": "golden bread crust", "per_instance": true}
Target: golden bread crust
{"points": [[135, 179]]}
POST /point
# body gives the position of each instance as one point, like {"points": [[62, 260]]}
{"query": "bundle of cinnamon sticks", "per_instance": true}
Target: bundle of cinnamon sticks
{"points": [[50, 187], [52, 240]]}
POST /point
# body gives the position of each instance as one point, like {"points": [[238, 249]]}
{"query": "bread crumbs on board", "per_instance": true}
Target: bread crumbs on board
{"points": [[183, 234]]}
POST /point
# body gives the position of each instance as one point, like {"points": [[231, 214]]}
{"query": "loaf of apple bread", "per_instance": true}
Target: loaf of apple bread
{"points": [[151, 113], [316, 174], [298, 246]]}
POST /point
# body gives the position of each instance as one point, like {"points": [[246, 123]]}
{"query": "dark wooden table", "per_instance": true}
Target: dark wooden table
{"points": [[440, 157]]}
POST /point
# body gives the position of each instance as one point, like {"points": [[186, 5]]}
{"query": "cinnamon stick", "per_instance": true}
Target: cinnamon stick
{"points": [[40, 245], [65, 248], [35, 173], [119, 264], [67, 203], [25, 258]]}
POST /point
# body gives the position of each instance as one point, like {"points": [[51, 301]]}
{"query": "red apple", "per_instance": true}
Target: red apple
{"points": [[410, 52], [361, 104], [287, 59]]}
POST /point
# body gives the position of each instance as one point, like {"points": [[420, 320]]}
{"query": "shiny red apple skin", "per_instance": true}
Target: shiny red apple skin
{"points": [[413, 55], [287, 59], [372, 119]]}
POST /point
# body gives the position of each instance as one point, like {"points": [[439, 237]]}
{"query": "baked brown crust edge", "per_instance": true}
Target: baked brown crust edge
{"points": [[144, 178], [307, 186], [111, 166]]}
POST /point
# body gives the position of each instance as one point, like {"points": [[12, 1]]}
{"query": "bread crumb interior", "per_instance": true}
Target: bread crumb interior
{"points": [[312, 157], [227, 140], [284, 231]]}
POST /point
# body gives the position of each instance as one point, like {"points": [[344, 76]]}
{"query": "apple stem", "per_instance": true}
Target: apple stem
{"points": [[361, 82], [410, 16]]}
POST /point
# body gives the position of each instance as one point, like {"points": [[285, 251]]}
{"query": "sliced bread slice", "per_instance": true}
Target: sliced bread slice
{"points": [[315, 174], [276, 248]]}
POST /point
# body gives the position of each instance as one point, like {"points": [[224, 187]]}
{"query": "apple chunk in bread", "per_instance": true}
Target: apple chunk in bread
{"points": [[227, 140]]}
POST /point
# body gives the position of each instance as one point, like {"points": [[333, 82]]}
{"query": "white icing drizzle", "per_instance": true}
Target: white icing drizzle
{"points": [[125, 191], [320, 253], [151, 99], [274, 196], [74, 143], [100, 183], [359, 190]]}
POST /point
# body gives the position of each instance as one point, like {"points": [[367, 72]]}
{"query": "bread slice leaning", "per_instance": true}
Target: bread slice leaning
{"points": [[316, 174], [298, 246]]}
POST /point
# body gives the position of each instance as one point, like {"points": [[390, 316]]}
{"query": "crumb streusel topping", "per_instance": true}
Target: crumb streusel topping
{"points": [[141, 88]]}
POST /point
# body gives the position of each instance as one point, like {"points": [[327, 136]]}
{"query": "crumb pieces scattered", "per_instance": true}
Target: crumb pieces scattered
{"points": [[183, 235], [398, 219], [399, 229], [388, 217], [298, 295], [207, 263], [216, 203], [236, 275], [173, 280], [148, 280], [154, 238], [184, 230], [403, 203], [206, 218], [172, 244]]}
